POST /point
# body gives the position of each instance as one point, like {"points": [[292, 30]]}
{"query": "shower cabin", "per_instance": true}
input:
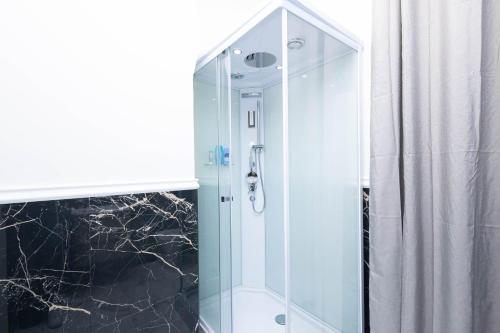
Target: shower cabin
{"points": [[277, 160]]}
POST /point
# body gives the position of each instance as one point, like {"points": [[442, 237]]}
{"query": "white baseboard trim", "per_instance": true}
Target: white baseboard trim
{"points": [[15, 195]]}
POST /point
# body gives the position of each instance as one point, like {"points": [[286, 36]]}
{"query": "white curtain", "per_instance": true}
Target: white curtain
{"points": [[435, 167]]}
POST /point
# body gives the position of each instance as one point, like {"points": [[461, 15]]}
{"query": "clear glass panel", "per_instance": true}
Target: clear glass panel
{"points": [[324, 188], [257, 236], [212, 123], [224, 157], [206, 105]]}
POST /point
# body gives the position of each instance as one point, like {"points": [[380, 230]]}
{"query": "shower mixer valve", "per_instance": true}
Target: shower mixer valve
{"points": [[252, 179]]}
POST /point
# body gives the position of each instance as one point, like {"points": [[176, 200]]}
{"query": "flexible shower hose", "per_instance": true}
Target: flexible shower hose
{"points": [[261, 186]]}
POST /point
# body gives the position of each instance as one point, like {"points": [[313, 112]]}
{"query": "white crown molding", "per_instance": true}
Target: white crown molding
{"points": [[15, 195]]}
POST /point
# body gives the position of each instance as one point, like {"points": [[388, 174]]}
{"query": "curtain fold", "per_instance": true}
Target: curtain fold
{"points": [[435, 167]]}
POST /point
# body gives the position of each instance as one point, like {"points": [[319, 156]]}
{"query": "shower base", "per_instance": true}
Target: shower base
{"points": [[254, 310]]}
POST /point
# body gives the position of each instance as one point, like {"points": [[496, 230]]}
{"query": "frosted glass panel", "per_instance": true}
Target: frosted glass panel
{"points": [[324, 186], [275, 245]]}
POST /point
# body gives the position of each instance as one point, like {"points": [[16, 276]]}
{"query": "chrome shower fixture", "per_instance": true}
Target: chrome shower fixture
{"points": [[252, 179], [237, 76], [260, 59], [258, 147], [253, 94], [255, 163]]}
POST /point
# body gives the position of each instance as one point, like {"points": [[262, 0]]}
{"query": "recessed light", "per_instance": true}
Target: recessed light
{"points": [[296, 43], [237, 51], [279, 67], [304, 76]]}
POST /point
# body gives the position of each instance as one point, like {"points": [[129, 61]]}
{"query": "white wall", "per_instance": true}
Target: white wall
{"points": [[100, 92], [95, 92], [219, 18]]}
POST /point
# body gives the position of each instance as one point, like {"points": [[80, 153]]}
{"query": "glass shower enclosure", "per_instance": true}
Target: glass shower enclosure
{"points": [[277, 159]]}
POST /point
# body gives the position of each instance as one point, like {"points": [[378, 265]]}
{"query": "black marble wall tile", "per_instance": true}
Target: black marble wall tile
{"points": [[123, 263], [366, 255]]}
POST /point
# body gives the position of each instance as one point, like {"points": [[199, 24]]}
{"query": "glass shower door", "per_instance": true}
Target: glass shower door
{"points": [[213, 170], [206, 112], [324, 190]]}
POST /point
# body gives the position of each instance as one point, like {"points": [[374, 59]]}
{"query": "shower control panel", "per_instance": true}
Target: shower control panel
{"points": [[251, 119]]}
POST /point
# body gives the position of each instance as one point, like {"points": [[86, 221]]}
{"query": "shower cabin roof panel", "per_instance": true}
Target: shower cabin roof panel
{"points": [[298, 8], [315, 50], [265, 37]]}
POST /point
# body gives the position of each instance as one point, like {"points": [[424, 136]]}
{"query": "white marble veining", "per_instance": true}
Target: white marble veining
{"points": [[120, 263]]}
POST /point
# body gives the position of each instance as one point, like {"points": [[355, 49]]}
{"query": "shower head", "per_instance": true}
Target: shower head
{"points": [[260, 59], [253, 94], [257, 147]]}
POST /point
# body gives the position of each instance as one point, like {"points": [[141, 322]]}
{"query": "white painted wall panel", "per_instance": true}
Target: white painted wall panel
{"points": [[95, 93]]}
